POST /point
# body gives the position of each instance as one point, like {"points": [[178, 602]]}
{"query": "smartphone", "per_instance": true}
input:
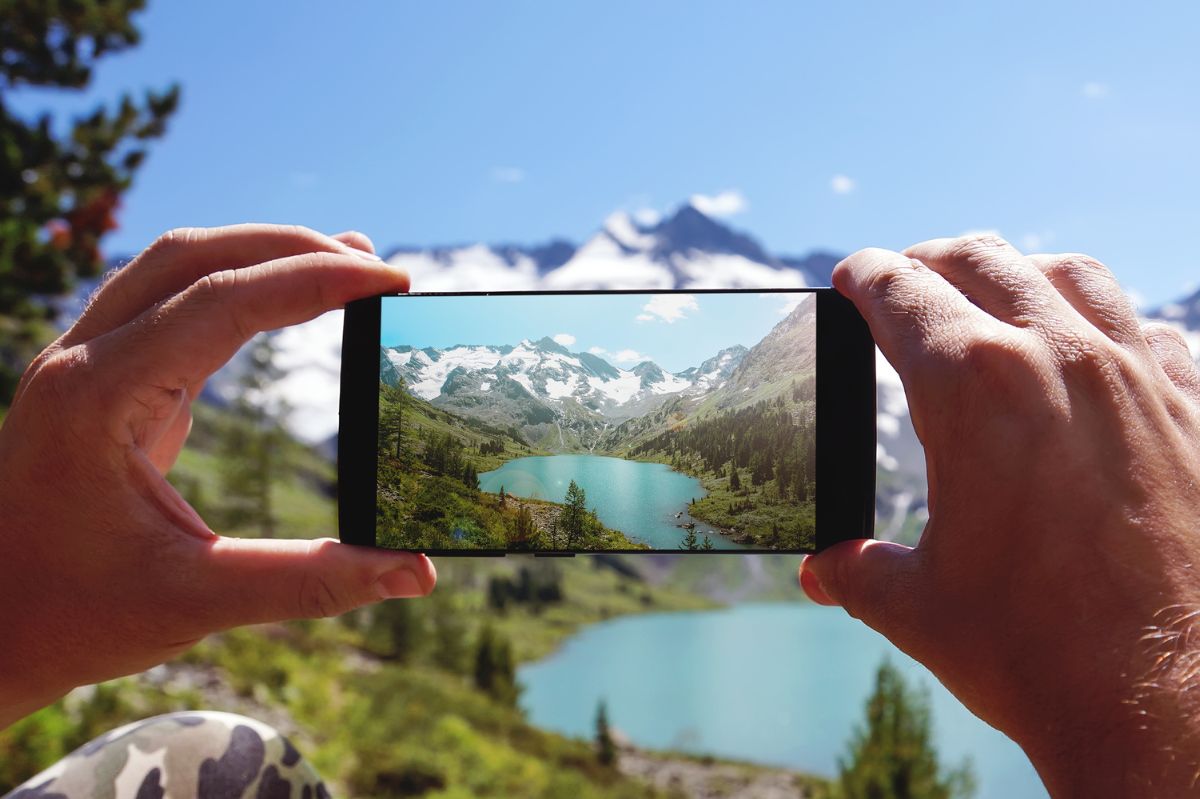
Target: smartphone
{"points": [[620, 421]]}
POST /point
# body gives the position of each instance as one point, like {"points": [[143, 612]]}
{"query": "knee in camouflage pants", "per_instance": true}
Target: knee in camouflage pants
{"points": [[201, 755]]}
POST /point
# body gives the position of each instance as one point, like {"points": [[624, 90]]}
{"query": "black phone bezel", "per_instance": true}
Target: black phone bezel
{"points": [[845, 415]]}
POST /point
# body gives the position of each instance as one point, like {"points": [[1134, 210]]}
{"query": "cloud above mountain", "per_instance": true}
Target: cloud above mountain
{"points": [[668, 308], [726, 203], [565, 339]]}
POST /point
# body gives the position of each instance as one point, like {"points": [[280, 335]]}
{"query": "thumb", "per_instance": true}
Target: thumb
{"points": [[250, 581], [875, 581]]}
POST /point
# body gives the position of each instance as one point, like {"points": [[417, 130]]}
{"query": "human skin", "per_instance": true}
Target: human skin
{"points": [[1054, 589], [104, 569]]}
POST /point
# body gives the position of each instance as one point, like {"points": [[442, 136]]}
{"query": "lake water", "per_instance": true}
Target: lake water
{"points": [[639, 499], [778, 683]]}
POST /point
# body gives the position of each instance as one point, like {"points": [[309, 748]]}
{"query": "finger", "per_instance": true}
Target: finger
{"points": [[179, 258], [1170, 349], [181, 342], [357, 240], [812, 588], [993, 274], [877, 582], [1094, 292], [912, 311], [250, 581]]}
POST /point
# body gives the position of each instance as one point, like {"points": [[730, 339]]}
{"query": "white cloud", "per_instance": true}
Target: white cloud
{"points": [[727, 203], [842, 184], [668, 307], [597, 350], [565, 339], [790, 306], [647, 217], [508, 174], [1094, 90], [629, 356], [1036, 242]]}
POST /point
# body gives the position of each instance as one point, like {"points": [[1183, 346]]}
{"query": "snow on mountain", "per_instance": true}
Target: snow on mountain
{"points": [[684, 250], [548, 372]]}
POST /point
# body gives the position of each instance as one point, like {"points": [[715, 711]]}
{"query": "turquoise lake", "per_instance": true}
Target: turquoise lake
{"points": [[639, 499], [780, 684]]}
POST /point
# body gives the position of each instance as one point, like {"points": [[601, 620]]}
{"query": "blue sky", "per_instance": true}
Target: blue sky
{"points": [[676, 331], [1065, 126]]}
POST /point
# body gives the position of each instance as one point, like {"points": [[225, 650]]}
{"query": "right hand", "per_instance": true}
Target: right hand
{"points": [[104, 569], [1054, 588]]}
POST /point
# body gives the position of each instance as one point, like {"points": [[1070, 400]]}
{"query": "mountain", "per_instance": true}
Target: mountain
{"points": [[687, 249], [541, 387]]}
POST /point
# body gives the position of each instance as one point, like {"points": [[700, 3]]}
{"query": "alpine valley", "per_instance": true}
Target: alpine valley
{"points": [[728, 444]]}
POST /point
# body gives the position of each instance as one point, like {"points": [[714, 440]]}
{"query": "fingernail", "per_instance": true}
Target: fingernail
{"points": [[399, 583]]}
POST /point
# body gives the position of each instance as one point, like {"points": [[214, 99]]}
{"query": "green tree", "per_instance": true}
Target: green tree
{"points": [[60, 189], [735, 482], [606, 748], [393, 401], [690, 541], [707, 546], [495, 673], [574, 516], [892, 756], [395, 631], [254, 446]]}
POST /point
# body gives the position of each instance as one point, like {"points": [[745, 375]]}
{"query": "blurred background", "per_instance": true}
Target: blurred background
{"points": [[581, 145]]}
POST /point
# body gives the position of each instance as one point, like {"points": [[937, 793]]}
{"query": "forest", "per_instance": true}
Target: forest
{"points": [[428, 494], [758, 464]]}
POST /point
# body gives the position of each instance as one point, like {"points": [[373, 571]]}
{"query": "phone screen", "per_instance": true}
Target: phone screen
{"points": [[598, 422]]}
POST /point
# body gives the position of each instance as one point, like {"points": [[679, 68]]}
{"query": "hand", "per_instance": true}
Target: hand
{"points": [[104, 569], [1054, 588]]}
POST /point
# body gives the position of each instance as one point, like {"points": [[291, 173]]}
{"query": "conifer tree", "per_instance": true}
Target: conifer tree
{"points": [[891, 756], [690, 541], [574, 516], [59, 189], [606, 748]]}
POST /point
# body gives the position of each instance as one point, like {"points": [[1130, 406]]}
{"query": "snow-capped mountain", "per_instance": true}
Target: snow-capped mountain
{"points": [[536, 385], [684, 250]]}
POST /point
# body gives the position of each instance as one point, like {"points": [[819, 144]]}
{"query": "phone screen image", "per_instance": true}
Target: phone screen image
{"points": [[591, 422]]}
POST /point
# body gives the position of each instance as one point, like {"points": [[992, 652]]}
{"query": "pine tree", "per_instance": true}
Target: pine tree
{"points": [[606, 748], [690, 541], [735, 482], [495, 673], [395, 631], [707, 545], [891, 756], [59, 190], [503, 496], [573, 517]]}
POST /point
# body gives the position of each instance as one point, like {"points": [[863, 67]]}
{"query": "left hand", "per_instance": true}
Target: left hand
{"points": [[104, 569]]}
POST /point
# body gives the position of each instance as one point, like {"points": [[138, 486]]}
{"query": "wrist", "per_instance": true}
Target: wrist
{"points": [[1141, 739]]}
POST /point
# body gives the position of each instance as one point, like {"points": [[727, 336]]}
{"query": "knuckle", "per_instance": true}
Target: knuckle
{"points": [[889, 277], [316, 598], [1079, 268], [175, 240], [977, 248], [1164, 334]]}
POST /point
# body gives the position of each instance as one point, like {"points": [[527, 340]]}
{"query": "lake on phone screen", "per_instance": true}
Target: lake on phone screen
{"points": [[639, 499], [780, 683]]}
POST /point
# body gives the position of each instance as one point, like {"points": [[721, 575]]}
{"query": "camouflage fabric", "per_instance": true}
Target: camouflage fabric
{"points": [[203, 755]]}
